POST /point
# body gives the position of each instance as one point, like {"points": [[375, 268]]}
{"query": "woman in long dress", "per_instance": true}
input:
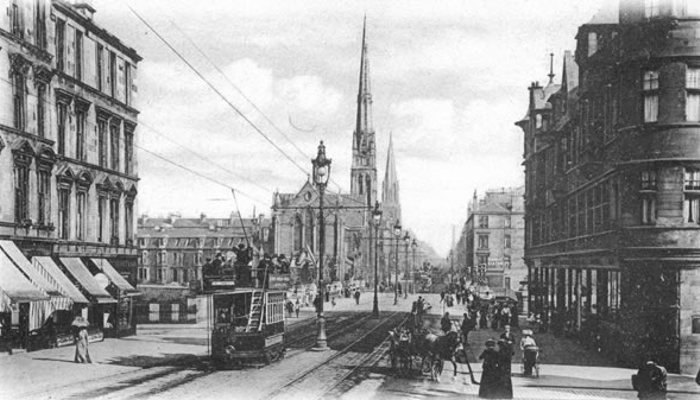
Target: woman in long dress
{"points": [[490, 376], [81, 346]]}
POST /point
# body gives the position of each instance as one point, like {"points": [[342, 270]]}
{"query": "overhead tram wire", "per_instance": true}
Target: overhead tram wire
{"points": [[204, 158], [151, 152], [240, 92], [235, 87], [217, 91]]}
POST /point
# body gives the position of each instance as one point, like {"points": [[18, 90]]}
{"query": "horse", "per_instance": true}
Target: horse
{"points": [[437, 349], [401, 349]]}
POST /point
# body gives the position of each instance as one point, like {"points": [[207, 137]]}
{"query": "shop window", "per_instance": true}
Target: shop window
{"points": [[650, 89]]}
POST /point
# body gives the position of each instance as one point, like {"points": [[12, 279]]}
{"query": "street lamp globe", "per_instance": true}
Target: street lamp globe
{"points": [[322, 166], [376, 213], [397, 229], [414, 244], [407, 238]]}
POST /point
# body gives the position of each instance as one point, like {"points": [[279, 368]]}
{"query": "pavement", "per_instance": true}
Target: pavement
{"points": [[568, 370]]}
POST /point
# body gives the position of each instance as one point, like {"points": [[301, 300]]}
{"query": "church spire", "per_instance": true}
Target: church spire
{"points": [[364, 95], [363, 175], [390, 187], [551, 68]]}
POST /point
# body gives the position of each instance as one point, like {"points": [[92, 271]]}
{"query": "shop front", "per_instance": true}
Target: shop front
{"points": [[122, 322], [16, 295], [102, 308]]}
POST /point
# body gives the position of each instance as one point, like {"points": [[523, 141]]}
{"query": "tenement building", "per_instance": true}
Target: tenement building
{"points": [[68, 173], [491, 246], [612, 197]]}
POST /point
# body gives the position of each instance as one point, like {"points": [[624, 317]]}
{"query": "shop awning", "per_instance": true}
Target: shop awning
{"points": [[15, 285], [86, 280], [114, 276], [15, 254], [50, 268]]}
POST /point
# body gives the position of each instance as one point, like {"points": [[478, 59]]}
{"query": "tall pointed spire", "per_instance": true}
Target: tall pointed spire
{"points": [[363, 175], [390, 187], [364, 94]]}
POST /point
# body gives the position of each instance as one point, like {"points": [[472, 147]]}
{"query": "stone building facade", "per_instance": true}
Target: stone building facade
{"points": [[68, 171], [612, 164], [490, 249], [173, 250]]}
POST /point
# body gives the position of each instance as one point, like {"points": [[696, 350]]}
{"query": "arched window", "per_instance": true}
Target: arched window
{"points": [[369, 190], [298, 233], [309, 227], [360, 183]]}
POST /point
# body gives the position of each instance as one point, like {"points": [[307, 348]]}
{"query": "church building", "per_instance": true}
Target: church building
{"points": [[347, 216]]}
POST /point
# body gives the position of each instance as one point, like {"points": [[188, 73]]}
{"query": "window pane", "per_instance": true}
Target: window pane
{"points": [[651, 108], [692, 78], [651, 80], [692, 107]]}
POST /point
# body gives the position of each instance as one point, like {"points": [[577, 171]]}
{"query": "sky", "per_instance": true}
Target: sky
{"points": [[448, 81]]}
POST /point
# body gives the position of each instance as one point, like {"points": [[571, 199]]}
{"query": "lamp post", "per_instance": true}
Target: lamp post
{"points": [[413, 265], [407, 241], [397, 233], [377, 218], [321, 173]]}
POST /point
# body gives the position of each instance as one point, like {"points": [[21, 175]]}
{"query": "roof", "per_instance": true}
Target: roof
{"points": [[15, 285], [86, 280], [50, 268]]}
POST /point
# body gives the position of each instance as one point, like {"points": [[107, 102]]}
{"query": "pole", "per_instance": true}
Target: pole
{"points": [[396, 270], [405, 279], [413, 270], [375, 303], [321, 341]]}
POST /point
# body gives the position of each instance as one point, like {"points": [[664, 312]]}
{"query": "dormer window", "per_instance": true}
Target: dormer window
{"points": [[538, 121]]}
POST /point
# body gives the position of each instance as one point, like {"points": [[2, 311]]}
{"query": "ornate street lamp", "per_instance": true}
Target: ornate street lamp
{"points": [[414, 245], [407, 241], [397, 233], [321, 174], [377, 218]]}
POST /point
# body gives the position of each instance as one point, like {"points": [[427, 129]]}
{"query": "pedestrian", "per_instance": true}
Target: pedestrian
{"points": [[507, 335], [289, 307], [333, 301], [650, 381], [490, 382], [529, 349], [505, 352], [357, 297], [82, 355], [297, 306], [446, 323], [467, 326]]}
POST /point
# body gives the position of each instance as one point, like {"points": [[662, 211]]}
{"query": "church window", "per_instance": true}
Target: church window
{"points": [[360, 182], [298, 233]]}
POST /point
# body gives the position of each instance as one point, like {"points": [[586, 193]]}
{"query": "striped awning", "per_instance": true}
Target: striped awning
{"points": [[15, 254], [14, 285], [114, 276], [86, 280], [49, 268]]}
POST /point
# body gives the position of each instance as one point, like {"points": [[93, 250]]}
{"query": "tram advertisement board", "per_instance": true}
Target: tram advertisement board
{"points": [[280, 281]]}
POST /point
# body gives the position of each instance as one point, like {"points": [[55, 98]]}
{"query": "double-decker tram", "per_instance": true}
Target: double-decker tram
{"points": [[247, 317]]}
